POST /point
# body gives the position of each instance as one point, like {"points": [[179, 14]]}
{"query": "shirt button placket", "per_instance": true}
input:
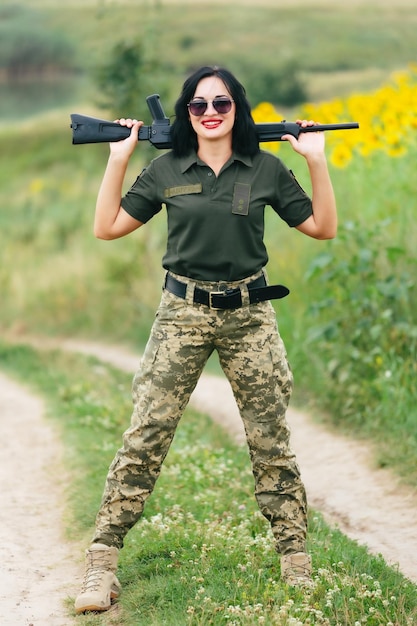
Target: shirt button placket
{"points": [[213, 180]]}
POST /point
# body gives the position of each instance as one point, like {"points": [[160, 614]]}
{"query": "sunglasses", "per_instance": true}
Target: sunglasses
{"points": [[199, 107]]}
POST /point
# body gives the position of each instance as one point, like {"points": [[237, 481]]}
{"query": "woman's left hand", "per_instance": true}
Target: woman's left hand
{"points": [[307, 143]]}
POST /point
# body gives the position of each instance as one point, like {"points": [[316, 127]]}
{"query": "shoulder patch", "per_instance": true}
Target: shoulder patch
{"points": [[296, 182]]}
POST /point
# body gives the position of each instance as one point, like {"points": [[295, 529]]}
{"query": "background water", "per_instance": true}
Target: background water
{"points": [[23, 99]]}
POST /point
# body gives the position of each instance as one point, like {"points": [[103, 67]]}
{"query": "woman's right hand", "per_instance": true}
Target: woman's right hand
{"points": [[126, 147]]}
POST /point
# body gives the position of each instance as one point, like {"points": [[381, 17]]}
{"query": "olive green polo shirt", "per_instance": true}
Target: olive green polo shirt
{"points": [[216, 224]]}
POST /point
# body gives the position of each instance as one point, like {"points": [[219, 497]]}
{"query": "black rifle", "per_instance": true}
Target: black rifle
{"points": [[92, 130]]}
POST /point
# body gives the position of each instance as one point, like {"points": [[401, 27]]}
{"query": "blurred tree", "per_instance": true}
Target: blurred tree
{"points": [[281, 85], [127, 77]]}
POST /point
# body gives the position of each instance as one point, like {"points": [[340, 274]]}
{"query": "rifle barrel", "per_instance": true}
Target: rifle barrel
{"points": [[274, 131], [320, 127]]}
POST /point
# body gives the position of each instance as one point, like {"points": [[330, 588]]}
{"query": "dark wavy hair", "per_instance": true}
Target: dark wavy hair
{"points": [[244, 138]]}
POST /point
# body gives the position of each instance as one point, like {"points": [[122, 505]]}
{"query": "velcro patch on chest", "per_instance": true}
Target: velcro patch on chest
{"points": [[241, 199], [182, 190]]}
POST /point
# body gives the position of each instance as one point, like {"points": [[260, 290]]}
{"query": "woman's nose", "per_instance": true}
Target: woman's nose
{"points": [[210, 107]]}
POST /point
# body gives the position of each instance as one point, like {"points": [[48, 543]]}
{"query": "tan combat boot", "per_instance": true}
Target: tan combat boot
{"points": [[296, 569], [100, 585]]}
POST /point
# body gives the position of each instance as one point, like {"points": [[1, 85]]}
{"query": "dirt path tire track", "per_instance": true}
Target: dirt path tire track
{"points": [[40, 568]]}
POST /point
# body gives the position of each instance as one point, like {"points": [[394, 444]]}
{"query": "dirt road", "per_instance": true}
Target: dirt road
{"points": [[40, 568]]}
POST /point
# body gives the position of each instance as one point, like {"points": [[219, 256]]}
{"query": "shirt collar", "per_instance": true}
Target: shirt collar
{"points": [[192, 159]]}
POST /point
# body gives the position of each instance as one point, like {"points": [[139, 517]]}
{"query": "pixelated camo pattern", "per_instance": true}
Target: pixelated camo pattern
{"points": [[253, 358]]}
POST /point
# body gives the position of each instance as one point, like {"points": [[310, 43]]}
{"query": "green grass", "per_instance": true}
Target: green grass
{"points": [[202, 554]]}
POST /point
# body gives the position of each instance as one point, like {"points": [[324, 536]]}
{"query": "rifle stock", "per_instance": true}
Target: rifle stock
{"points": [[93, 130]]}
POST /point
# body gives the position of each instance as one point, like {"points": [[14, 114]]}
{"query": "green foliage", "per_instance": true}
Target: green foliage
{"points": [[363, 333], [370, 303], [28, 46], [282, 85], [51, 267], [126, 77], [129, 73]]}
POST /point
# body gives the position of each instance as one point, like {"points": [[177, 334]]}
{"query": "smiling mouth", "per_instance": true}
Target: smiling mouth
{"points": [[211, 123]]}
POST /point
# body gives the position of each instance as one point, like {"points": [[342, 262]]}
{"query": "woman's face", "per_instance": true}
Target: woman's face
{"points": [[210, 124]]}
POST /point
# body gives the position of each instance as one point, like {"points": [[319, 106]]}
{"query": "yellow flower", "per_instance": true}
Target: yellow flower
{"points": [[387, 118], [36, 186], [341, 155]]}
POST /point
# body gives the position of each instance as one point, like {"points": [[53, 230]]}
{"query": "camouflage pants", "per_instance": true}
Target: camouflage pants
{"points": [[253, 358]]}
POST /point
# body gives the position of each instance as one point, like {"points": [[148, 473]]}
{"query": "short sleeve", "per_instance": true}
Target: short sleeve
{"points": [[293, 204], [142, 200]]}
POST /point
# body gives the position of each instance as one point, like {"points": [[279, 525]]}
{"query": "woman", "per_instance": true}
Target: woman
{"points": [[215, 184]]}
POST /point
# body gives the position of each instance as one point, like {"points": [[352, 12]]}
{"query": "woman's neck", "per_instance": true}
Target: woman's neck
{"points": [[215, 154]]}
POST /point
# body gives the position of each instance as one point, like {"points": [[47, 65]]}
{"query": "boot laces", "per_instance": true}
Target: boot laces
{"points": [[298, 569], [98, 564]]}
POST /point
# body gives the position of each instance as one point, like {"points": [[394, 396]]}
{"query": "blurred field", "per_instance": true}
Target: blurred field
{"points": [[338, 46], [269, 3]]}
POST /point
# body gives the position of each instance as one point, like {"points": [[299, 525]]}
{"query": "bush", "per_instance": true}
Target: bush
{"points": [[283, 86], [126, 77], [362, 344]]}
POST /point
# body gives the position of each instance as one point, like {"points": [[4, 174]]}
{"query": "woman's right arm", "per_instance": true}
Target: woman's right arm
{"points": [[111, 220]]}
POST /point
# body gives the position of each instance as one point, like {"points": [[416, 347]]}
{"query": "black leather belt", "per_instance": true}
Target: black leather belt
{"points": [[228, 298]]}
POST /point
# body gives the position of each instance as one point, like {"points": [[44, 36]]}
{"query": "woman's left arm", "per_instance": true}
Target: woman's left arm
{"points": [[323, 223]]}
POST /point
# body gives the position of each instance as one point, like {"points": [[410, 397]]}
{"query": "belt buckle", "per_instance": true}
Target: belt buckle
{"points": [[215, 293]]}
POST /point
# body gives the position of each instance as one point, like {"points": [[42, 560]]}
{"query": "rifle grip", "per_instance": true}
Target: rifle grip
{"points": [[155, 108]]}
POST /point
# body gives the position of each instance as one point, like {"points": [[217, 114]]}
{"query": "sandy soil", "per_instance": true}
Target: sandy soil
{"points": [[41, 569]]}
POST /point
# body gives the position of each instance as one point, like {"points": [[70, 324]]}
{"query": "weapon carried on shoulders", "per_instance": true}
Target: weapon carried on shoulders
{"points": [[92, 130]]}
